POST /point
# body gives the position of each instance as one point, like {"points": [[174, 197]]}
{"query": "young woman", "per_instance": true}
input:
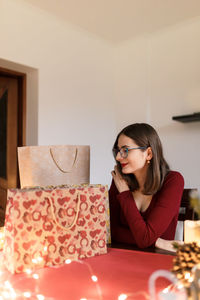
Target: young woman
{"points": [[145, 194]]}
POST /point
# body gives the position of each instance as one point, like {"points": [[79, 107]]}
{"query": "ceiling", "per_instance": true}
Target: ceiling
{"points": [[119, 20]]}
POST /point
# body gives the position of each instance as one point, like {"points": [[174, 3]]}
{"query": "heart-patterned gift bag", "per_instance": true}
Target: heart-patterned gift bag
{"points": [[46, 226]]}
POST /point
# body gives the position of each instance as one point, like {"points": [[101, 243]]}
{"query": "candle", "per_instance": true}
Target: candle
{"points": [[192, 231]]}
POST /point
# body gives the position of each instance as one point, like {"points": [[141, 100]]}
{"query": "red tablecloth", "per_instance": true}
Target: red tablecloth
{"points": [[118, 272]]}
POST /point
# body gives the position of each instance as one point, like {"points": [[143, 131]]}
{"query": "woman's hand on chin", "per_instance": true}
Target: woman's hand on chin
{"points": [[120, 183]]}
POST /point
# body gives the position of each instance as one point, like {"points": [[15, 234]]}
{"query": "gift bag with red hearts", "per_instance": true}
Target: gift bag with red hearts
{"points": [[46, 226]]}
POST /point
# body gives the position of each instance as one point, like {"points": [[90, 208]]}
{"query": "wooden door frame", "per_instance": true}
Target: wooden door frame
{"points": [[21, 132], [21, 78]]}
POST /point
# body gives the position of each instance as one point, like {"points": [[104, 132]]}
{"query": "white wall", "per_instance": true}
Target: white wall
{"points": [[131, 92], [158, 76], [70, 94]]}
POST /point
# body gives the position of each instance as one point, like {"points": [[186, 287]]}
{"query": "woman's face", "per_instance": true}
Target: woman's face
{"points": [[136, 161]]}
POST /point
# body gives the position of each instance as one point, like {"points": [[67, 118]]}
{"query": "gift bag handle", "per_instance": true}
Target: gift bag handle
{"points": [[57, 165], [75, 219]]}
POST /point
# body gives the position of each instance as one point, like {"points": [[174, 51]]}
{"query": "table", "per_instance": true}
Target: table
{"points": [[134, 247], [119, 272]]}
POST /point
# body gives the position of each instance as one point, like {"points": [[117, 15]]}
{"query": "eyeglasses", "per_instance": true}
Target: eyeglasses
{"points": [[124, 151]]}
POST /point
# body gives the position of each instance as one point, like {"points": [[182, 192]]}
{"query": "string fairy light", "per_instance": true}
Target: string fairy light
{"points": [[68, 261], [122, 297], [94, 278], [188, 276], [166, 290], [2, 237], [131, 296], [35, 276], [28, 271], [9, 292], [40, 297], [27, 294], [34, 260]]}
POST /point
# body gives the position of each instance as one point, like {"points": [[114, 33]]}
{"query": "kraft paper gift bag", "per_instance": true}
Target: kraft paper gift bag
{"points": [[53, 165], [46, 226]]}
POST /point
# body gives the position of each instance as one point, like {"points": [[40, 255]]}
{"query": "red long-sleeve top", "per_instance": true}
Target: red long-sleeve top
{"points": [[129, 225]]}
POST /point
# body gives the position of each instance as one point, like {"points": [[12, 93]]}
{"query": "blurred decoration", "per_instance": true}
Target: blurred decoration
{"points": [[192, 232], [187, 256], [195, 291], [1, 237], [195, 202], [186, 267], [192, 228], [175, 290]]}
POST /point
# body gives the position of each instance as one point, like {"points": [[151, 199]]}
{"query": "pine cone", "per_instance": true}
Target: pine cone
{"points": [[187, 256]]}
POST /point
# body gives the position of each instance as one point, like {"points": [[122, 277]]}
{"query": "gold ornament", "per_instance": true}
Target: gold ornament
{"points": [[187, 256]]}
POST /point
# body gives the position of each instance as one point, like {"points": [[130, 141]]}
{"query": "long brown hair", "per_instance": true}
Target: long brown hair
{"points": [[144, 135]]}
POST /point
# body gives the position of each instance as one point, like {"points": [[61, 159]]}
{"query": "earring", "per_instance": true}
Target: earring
{"points": [[148, 161]]}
